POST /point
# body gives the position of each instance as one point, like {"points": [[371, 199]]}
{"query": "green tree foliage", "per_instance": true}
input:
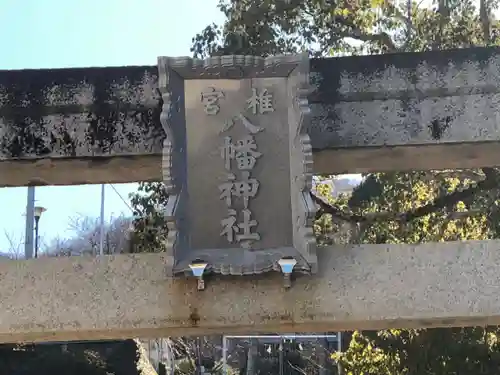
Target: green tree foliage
{"points": [[387, 207], [149, 223]]}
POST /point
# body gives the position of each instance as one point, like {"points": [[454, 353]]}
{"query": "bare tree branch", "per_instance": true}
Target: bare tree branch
{"points": [[356, 33], [14, 246], [382, 38], [85, 239], [446, 201]]}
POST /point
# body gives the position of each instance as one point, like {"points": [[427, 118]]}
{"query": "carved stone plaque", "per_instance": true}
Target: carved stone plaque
{"points": [[237, 163]]}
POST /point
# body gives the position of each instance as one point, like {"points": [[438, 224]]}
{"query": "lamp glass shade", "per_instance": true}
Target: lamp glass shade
{"points": [[39, 210]]}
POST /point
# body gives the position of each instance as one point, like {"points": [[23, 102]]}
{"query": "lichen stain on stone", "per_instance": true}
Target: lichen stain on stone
{"points": [[316, 80], [437, 127], [23, 137], [194, 317], [144, 92], [81, 94], [3, 96], [79, 112], [383, 80], [118, 108], [454, 75], [430, 107], [126, 127]]}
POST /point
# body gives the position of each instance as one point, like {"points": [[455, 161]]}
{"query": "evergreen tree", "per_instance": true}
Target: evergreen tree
{"points": [[387, 207]]}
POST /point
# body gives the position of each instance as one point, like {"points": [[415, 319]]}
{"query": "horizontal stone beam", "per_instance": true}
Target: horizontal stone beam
{"points": [[357, 287], [427, 110]]}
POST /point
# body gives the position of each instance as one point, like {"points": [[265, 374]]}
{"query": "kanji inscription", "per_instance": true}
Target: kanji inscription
{"points": [[242, 163], [210, 99], [246, 188], [245, 153], [239, 190], [240, 231]]}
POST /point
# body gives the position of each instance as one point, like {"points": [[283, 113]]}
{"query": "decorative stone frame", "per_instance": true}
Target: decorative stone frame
{"points": [[294, 69]]}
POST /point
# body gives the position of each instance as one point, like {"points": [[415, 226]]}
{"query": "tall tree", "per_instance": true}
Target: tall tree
{"points": [[385, 208]]}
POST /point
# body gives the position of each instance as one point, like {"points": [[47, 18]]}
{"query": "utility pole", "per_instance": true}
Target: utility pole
{"points": [[30, 218], [101, 239], [340, 369]]}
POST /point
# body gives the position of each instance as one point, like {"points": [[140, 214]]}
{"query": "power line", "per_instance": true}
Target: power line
{"points": [[123, 200]]}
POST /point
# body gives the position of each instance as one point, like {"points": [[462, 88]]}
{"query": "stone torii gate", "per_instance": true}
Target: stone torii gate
{"points": [[432, 110]]}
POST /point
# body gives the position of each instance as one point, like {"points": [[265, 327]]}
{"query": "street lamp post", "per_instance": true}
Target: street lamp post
{"points": [[38, 213]]}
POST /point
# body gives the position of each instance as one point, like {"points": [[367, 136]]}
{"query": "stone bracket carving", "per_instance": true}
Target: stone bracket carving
{"points": [[292, 74]]}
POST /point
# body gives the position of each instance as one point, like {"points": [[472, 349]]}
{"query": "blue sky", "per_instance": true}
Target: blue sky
{"points": [[81, 33]]}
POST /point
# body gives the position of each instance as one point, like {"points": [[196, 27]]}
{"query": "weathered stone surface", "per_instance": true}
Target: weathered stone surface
{"points": [[79, 171], [406, 98], [233, 148], [270, 174], [396, 100], [79, 112], [357, 287]]}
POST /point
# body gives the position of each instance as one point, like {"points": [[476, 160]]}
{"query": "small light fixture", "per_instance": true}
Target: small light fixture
{"points": [[198, 268], [287, 264], [39, 211]]}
